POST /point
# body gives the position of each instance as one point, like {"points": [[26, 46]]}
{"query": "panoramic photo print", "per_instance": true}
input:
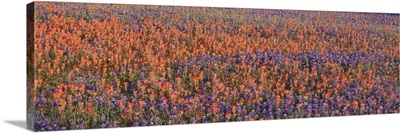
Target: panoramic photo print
{"points": [[123, 65]]}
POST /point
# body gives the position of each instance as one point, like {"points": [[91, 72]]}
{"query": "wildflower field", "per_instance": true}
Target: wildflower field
{"points": [[114, 65]]}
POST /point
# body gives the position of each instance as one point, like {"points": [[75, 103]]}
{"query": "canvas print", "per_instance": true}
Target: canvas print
{"points": [[124, 65]]}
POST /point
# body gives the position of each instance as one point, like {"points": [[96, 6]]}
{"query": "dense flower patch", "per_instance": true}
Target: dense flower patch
{"points": [[104, 65]]}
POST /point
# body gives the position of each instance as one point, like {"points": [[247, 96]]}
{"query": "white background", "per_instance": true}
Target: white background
{"points": [[13, 71]]}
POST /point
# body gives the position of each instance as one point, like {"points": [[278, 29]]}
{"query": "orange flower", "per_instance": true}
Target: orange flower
{"points": [[121, 102], [327, 94], [60, 87], [42, 107], [90, 104], [299, 105], [355, 103], [136, 113], [234, 108], [56, 95], [164, 100], [384, 93], [215, 106], [141, 102], [302, 88], [277, 97], [228, 115], [289, 101], [378, 111], [130, 105]]}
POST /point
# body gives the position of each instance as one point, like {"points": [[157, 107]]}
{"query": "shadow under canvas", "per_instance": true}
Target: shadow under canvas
{"points": [[18, 123]]}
